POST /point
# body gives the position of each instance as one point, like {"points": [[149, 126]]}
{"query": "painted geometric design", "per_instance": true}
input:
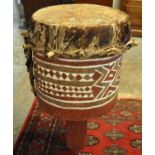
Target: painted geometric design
{"points": [[114, 135], [63, 75], [93, 82], [64, 91], [58, 87]]}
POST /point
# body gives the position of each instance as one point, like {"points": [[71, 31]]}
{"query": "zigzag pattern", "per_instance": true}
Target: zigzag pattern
{"points": [[107, 79]]}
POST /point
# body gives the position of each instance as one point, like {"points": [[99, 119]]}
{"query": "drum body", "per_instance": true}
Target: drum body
{"points": [[74, 56], [82, 88]]}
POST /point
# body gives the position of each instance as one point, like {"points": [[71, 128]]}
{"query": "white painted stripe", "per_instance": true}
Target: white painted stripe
{"points": [[80, 60], [67, 66], [63, 101], [70, 91], [86, 60], [78, 108]]}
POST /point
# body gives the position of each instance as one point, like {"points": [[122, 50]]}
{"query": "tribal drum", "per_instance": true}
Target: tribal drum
{"points": [[74, 55]]}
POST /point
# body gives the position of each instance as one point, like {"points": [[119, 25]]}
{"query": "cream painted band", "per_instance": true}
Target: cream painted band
{"points": [[79, 60], [79, 108], [68, 83], [67, 87], [93, 66], [81, 102]]}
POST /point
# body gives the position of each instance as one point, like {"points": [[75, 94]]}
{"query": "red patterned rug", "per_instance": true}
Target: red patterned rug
{"points": [[119, 132]]}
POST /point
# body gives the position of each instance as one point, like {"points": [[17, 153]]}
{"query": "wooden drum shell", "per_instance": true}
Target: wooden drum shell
{"points": [[75, 89], [76, 53]]}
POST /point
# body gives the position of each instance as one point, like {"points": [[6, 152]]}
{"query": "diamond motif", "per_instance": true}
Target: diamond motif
{"points": [[71, 77], [64, 75], [76, 89], [87, 77], [70, 88], [64, 88], [58, 87], [81, 89], [78, 77], [57, 75], [53, 86], [45, 72], [71, 94], [87, 89], [48, 85], [43, 83], [51, 73], [40, 71], [89, 95]]}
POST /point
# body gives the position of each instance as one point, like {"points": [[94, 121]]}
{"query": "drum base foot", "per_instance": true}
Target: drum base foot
{"points": [[76, 135]]}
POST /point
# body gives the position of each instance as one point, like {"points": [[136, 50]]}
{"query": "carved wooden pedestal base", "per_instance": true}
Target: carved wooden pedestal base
{"points": [[76, 135], [76, 123]]}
